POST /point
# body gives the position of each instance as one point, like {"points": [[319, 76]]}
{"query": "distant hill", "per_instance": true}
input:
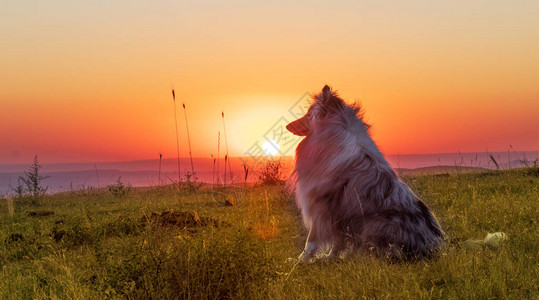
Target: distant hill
{"points": [[438, 170]]}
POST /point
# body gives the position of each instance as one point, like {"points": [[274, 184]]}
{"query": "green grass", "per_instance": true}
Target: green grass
{"points": [[99, 246]]}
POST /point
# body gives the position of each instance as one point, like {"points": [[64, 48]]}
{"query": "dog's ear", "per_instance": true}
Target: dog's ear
{"points": [[328, 98], [326, 89], [326, 94], [299, 127]]}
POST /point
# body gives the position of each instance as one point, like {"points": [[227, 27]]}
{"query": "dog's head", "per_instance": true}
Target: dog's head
{"points": [[326, 104]]}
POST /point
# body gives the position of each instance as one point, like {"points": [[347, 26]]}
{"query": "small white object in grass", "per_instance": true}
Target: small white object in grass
{"points": [[493, 240], [270, 147]]}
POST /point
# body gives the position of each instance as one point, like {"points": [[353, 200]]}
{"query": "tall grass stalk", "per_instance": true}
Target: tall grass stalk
{"points": [[177, 138], [188, 139], [226, 144], [509, 156], [213, 173], [218, 162], [494, 161], [224, 178], [159, 174], [97, 175], [246, 173]]}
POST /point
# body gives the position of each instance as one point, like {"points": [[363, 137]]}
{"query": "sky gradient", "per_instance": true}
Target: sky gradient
{"points": [[91, 80]]}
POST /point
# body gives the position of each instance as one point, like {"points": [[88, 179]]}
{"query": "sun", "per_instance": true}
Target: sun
{"points": [[270, 147]]}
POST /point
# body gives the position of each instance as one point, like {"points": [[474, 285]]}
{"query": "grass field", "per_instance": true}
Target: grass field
{"points": [[96, 245]]}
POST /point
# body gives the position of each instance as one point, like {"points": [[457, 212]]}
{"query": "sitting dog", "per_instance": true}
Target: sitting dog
{"points": [[349, 196]]}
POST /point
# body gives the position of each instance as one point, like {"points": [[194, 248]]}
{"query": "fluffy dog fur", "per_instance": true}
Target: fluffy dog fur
{"points": [[348, 194]]}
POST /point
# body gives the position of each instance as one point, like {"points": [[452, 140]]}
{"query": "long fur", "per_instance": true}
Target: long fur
{"points": [[348, 194]]}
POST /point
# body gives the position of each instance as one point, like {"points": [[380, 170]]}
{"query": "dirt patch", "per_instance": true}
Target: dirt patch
{"points": [[181, 219], [40, 213]]}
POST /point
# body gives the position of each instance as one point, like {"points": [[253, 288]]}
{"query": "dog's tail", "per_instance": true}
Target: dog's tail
{"points": [[420, 236]]}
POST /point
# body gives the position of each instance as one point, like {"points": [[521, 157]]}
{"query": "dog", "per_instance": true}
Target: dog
{"points": [[349, 196]]}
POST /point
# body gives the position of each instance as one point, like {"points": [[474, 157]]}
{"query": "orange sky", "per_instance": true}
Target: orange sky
{"points": [[91, 80]]}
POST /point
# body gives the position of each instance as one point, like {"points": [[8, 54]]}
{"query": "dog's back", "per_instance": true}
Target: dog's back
{"points": [[348, 193]]}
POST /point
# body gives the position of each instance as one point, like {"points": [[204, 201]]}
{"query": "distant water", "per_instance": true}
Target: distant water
{"points": [[72, 176]]}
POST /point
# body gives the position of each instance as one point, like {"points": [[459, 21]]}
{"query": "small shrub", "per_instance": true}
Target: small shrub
{"points": [[31, 183], [119, 189], [271, 174], [191, 182]]}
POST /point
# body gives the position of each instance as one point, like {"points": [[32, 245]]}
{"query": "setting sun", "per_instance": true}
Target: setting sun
{"points": [[270, 147]]}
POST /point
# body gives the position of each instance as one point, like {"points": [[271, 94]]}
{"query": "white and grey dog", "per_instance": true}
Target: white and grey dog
{"points": [[349, 196]]}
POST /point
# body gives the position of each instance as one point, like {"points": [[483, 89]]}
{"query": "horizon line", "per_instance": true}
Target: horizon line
{"points": [[265, 156]]}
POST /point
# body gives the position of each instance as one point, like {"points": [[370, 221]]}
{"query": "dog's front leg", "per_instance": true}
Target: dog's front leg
{"points": [[311, 248]]}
